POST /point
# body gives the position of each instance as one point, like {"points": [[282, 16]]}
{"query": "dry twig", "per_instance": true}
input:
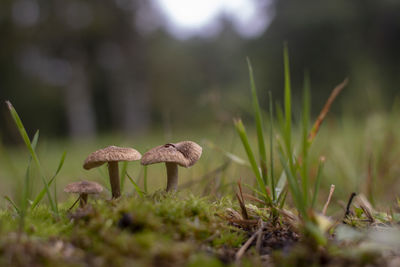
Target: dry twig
{"points": [[253, 198], [246, 245], [241, 202], [347, 213], [325, 110], [329, 199], [260, 235]]}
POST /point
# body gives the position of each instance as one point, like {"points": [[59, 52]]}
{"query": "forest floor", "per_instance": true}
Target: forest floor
{"points": [[184, 230]]}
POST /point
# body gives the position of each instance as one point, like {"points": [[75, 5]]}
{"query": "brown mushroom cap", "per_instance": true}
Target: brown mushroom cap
{"points": [[185, 154], [84, 187], [111, 153]]}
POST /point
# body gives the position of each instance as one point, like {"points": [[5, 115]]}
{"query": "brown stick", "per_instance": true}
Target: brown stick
{"points": [[76, 201], [347, 213]]}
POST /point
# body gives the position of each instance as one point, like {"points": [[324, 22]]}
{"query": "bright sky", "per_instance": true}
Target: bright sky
{"points": [[188, 18]]}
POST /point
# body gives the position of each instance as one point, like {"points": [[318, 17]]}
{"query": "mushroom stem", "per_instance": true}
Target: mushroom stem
{"points": [[83, 199], [114, 178], [172, 176]]}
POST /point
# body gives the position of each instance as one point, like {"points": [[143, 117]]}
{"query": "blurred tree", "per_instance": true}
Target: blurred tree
{"points": [[90, 66], [63, 45], [123, 56], [333, 40]]}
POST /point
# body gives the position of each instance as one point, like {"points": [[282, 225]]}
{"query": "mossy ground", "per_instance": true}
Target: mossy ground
{"points": [[165, 230], [161, 230]]}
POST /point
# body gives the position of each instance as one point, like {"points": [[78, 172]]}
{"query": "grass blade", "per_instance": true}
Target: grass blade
{"points": [[288, 103], [122, 175], [245, 141], [293, 185], [55, 194], [40, 196], [258, 117], [252, 188], [280, 118], [60, 164], [317, 181], [145, 178], [135, 185], [25, 192], [305, 142], [106, 179], [236, 159], [271, 149], [28, 144], [281, 184], [282, 198], [229, 155], [13, 204]]}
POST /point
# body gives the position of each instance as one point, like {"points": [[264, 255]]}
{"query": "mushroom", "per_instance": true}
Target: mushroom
{"points": [[83, 189], [185, 154], [112, 155]]}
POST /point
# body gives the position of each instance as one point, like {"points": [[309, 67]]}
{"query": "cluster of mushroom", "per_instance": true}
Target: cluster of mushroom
{"points": [[185, 154]]}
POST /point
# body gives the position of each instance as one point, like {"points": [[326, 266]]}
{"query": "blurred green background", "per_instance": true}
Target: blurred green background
{"points": [[142, 73], [79, 68]]}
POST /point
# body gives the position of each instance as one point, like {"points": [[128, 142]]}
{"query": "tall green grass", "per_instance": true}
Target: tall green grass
{"points": [[31, 146], [259, 169], [21, 210], [296, 166], [264, 176]]}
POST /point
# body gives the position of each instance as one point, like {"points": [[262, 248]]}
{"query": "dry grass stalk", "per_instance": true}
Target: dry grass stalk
{"points": [[243, 223], [260, 235], [325, 109], [246, 245], [329, 199], [208, 176], [290, 217], [241, 201], [253, 198], [233, 214], [366, 206]]}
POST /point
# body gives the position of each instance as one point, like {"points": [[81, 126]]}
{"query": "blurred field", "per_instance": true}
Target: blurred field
{"points": [[362, 156]]}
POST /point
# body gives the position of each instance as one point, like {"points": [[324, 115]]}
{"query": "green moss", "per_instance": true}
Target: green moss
{"points": [[232, 238], [158, 229]]}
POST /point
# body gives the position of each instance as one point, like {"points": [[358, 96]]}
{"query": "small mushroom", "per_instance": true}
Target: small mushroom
{"points": [[83, 189], [185, 154], [112, 155]]}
